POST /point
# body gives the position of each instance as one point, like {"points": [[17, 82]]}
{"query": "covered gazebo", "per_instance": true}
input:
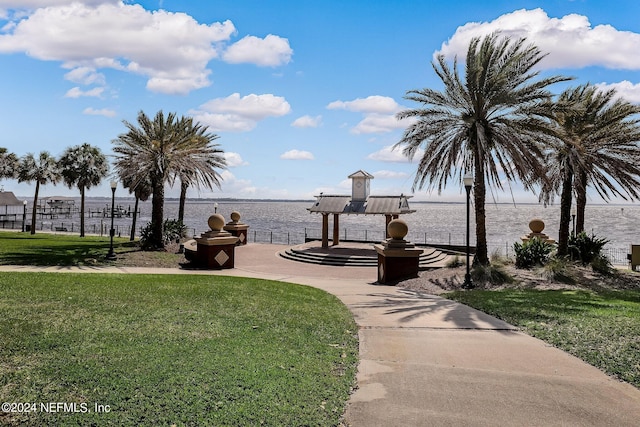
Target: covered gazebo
{"points": [[359, 203]]}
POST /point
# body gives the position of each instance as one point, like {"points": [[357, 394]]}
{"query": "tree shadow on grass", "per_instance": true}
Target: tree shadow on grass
{"points": [[48, 251]]}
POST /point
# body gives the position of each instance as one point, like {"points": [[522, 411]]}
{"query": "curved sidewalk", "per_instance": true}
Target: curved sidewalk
{"points": [[427, 361]]}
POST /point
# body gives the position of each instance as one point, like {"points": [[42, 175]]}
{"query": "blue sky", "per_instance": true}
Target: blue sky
{"points": [[301, 93]]}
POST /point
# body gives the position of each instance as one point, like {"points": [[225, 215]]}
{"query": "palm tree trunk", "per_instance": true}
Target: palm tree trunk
{"points": [[132, 236], [35, 204], [183, 198], [581, 202], [479, 193], [565, 212], [82, 211], [157, 214]]}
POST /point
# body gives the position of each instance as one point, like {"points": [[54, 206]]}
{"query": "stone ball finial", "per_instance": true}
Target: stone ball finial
{"points": [[397, 229], [235, 216], [216, 222], [536, 225]]}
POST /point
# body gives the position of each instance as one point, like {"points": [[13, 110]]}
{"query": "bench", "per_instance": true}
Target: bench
{"points": [[61, 229]]}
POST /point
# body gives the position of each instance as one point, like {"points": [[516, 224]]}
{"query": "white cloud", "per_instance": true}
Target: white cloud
{"points": [[370, 104], [387, 174], [240, 114], [570, 41], [388, 154], [85, 76], [307, 122], [234, 159], [171, 49], [102, 112], [379, 123], [379, 114], [625, 89], [76, 92], [268, 52], [297, 155]]}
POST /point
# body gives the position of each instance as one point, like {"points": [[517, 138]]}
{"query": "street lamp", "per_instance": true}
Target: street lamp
{"points": [[111, 255], [573, 221], [24, 215], [468, 183]]}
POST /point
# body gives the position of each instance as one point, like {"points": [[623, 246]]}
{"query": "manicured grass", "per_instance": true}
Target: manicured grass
{"points": [[57, 249], [602, 328], [183, 350]]}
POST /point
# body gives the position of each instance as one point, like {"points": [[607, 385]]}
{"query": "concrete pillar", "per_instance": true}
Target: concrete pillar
{"points": [[336, 229], [397, 258]]}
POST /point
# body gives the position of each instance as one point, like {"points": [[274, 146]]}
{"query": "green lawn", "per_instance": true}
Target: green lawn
{"points": [[163, 350], [57, 249], [602, 328]]}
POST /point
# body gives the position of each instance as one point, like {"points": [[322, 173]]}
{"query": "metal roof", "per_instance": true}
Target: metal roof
{"points": [[7, 198], [361, 174], [374, 205]]}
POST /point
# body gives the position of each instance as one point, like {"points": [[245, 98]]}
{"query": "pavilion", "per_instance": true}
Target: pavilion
{"points": [[359, 203]]}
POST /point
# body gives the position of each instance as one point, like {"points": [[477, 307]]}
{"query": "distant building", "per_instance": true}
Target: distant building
{"points": [[359, 203]]}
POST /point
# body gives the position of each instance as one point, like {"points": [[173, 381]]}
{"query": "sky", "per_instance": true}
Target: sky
{"points": [[300, 93]]}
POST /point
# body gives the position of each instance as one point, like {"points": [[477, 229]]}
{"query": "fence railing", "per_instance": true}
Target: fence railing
{"points": [[616, 255]]}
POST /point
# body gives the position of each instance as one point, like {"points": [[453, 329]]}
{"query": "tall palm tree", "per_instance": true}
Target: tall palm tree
{"points": [[161, 148], [44, 170], [597, 146], [489, 125], [8, 164], [83, 166], [202, 157]]}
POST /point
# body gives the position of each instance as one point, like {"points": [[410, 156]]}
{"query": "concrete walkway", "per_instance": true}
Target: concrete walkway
{"points": [[427, 361]]}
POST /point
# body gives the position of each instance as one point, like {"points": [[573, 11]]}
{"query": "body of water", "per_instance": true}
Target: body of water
{"points": [[444, 223]]}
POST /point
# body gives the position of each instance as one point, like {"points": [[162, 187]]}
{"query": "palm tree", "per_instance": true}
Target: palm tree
{"points": [[202, 157], [83, 166], [490, 124], [597, 146], [160, 149], [44, 170], [8, 164]]}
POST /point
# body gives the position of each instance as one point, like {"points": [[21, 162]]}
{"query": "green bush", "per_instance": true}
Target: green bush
{"points": [[585, 248], [172, 229], [558, 269], [492, 273], [532, 253]]}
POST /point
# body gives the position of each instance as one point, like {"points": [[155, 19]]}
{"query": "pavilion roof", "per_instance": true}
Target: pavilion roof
{"points": [[7, 198], [374, 205]]}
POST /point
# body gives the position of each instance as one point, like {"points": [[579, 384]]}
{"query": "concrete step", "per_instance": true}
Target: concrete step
{"points": [[430, 258]]}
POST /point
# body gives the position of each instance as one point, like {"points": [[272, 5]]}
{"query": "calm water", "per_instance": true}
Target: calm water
{"points": [[433, 222]]}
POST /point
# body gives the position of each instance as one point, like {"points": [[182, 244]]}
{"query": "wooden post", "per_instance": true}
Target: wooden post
{"points": [[325, 230], [336, 229], [386, 225]]}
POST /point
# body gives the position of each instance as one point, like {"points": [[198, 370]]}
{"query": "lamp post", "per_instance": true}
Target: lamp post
{"points": [[24, 215], [111, 255], [573, 222], [468, 183]]}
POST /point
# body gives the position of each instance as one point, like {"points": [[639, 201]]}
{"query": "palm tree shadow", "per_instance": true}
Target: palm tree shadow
{"points": [[412, 305]]}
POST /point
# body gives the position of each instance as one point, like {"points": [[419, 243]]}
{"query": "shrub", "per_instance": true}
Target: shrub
{"points": [[491, 273], [601, 264], [585, 248], [455, 262], [172, 229], [558, 269], [532, 252]]}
